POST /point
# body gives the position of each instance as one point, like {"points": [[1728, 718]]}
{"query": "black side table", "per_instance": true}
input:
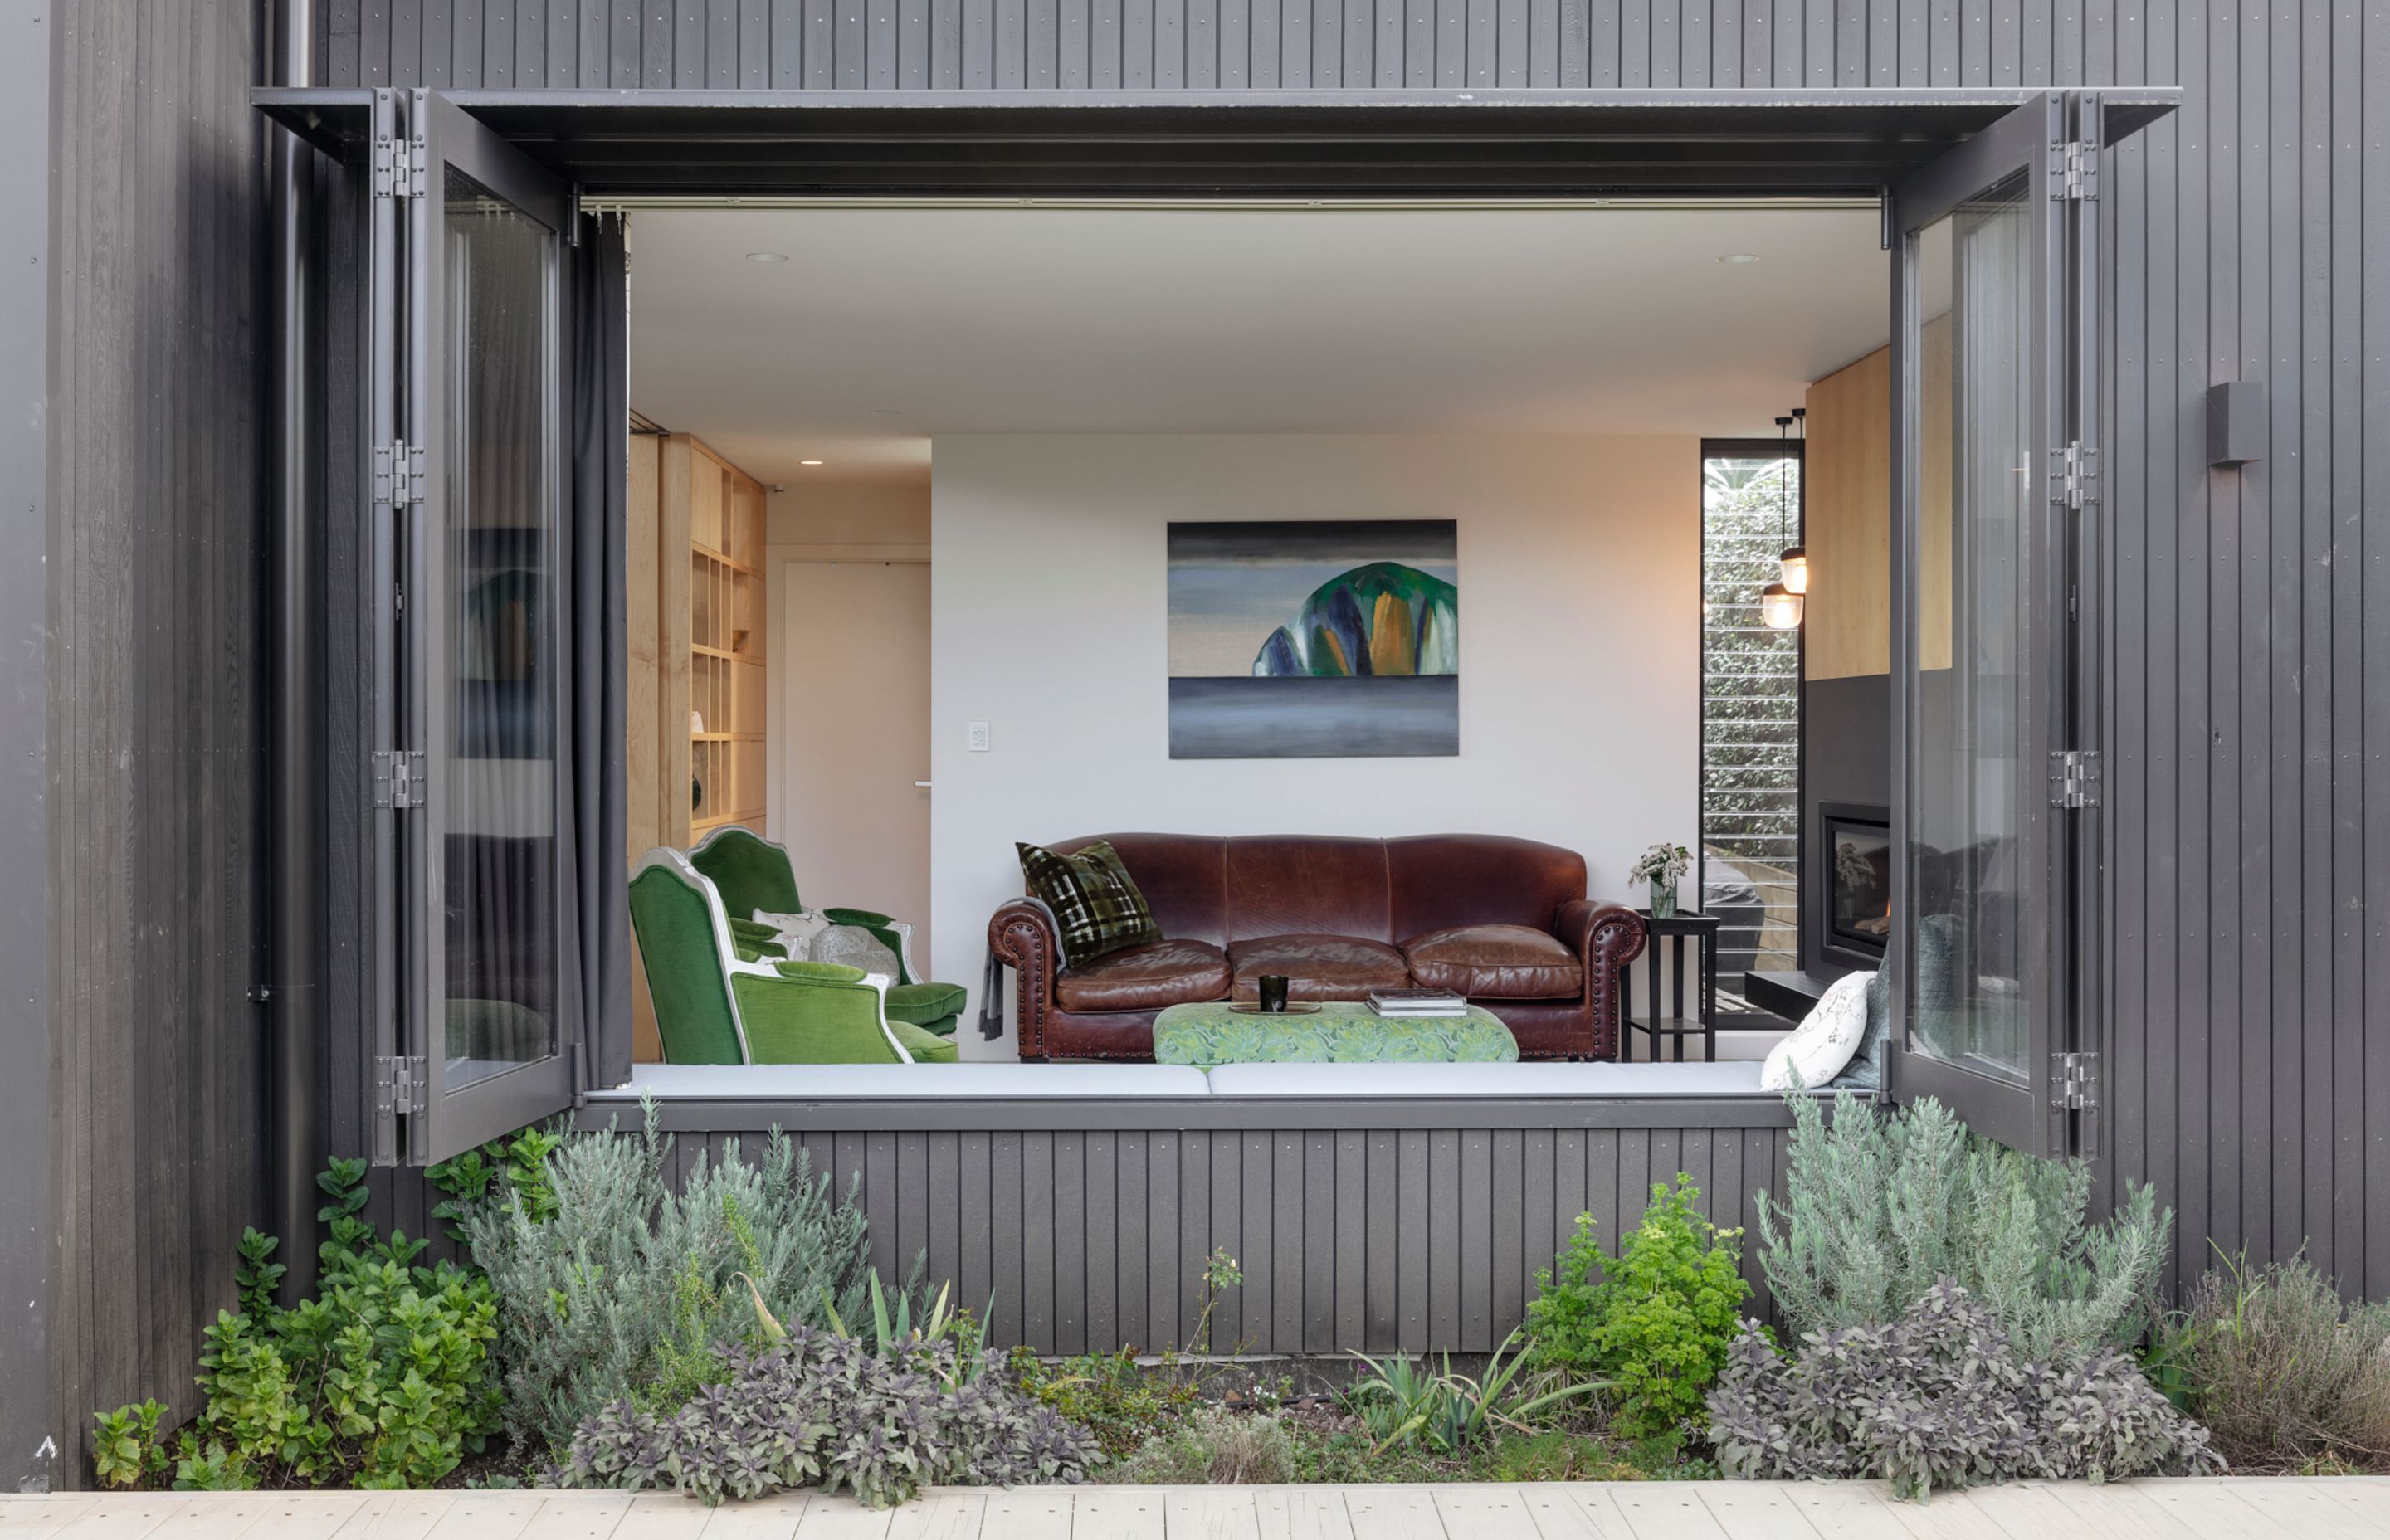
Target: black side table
{"points": [[1684, 926]]}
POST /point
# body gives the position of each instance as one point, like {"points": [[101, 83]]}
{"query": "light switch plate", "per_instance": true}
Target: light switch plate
{"points": [[979, 738]]}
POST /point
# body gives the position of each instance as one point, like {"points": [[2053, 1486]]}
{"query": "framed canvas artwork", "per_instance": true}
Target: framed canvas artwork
{"points": [[1315, 639]]}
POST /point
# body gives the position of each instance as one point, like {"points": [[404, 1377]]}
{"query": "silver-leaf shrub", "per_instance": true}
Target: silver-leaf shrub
{"points": [[1941, 1398], [1878, 1208], [631, 1282], [820, 1409]]}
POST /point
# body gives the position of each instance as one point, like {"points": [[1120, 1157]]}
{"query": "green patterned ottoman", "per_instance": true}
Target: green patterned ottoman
{"points": [[1209, 1034]]}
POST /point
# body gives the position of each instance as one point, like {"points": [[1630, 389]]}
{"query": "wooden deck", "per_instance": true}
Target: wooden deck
{"points": [[2230, 1508]]}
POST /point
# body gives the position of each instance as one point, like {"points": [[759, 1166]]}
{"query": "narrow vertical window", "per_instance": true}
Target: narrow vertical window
{"points": [[1750, 847]]}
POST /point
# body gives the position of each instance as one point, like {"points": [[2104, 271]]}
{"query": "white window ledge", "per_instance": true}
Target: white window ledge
{"points": [[937, 1083]]}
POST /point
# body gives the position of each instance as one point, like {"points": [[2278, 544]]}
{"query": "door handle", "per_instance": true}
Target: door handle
{"points": [[921, 785]]}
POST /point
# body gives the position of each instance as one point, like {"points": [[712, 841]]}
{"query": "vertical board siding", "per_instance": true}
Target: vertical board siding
{"points": [[2245, 622], [155, 542], [1373, 1240]]}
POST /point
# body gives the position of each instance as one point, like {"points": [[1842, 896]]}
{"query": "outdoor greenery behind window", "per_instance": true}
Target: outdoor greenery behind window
{"points": [[1750, 713]]}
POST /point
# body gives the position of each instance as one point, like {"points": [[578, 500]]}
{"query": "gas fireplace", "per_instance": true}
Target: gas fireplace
{"points": [[1853, 883]]}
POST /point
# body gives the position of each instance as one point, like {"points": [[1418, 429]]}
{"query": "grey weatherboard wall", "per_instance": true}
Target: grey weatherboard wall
{"points": [[2246, 237], [1089, 1236], [155, 542]]}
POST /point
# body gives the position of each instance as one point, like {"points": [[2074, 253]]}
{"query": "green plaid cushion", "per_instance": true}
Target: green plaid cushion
{"points": [[1094, 901]]}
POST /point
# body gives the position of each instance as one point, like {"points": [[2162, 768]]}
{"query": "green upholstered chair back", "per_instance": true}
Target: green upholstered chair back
{"points": [[749, 871], [684, 947]]}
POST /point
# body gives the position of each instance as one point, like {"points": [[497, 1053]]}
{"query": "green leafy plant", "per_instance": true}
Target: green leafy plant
{"points": [[1221, 1273], [894, 1325], [126, 1452], [2285, 1374], [1402, 1403], [513, 1167], [383, 1380], [1122, 1404], [1878, 1209], [619, 1282], [1944, 1397], [1217, 1446], [1656, 1320]]}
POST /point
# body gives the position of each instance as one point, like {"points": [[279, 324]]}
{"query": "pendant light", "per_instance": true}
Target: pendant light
{"points": [[1794, 563], [1780, 603]]}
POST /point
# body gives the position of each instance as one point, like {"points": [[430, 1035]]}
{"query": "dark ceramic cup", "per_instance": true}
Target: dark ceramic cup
{"points": [[1273, 988]]}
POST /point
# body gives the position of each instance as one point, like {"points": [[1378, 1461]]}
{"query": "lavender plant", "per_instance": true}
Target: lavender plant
{"points": [[1878, 1208], [1943, 1398], [618, 1282], [822, 1409]]}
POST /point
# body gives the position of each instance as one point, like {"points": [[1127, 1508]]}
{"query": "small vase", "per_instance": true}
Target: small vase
{"points": [[1663, 900]]}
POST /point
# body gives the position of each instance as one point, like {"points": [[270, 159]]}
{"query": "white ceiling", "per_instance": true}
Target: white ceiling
{"points": [[888, 327]]}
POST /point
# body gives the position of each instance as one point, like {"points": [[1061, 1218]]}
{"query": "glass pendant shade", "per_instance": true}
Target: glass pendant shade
{"points": [[1794, 563], [1779, 606]]}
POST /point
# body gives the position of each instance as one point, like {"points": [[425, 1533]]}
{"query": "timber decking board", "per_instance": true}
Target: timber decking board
{"points": [[2353, 1508]]}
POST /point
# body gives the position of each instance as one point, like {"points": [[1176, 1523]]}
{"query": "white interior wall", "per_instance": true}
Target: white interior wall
{"points": [[1579, 566]]}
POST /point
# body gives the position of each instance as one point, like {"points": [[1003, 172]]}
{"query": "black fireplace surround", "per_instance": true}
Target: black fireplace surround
{"points": [[1850, 884]]}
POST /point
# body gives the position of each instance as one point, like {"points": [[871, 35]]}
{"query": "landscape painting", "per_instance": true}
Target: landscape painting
{"points": [[1315, 639]]}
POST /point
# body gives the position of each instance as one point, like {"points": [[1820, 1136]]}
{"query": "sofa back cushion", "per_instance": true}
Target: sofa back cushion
{"points": [[1308, 885], [1202, 887], [1182, 877], [1442, 881]]}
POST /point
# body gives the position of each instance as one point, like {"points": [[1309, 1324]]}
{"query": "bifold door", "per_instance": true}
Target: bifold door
{"points": [[468, 558], [1992, 352]]}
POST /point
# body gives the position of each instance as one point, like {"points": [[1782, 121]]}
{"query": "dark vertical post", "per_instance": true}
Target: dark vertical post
{"points": [[26, 1091], [293, 994]]}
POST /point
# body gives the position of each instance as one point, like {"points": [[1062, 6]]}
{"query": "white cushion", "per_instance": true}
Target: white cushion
{"points": [[1722, 1079], [904, 1082], [1822, 1045]]}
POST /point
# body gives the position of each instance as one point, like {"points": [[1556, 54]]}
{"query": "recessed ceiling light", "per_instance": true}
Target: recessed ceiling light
{"points": [[809, 462], [767, 256], [1736, 258]]}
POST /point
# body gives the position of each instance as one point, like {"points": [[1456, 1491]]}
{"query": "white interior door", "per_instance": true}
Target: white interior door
{"points": [[850, 726]]}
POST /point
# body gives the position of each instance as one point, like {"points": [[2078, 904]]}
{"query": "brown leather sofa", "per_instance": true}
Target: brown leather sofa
{"points": [[1504, 921]]}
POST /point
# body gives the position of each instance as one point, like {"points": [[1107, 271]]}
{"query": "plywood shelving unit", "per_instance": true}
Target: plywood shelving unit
{"points": [[714, 674], [695, 610]]}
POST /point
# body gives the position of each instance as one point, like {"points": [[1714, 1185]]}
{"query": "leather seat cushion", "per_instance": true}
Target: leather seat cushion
{"points": [[1145, 978], [1317, 967], [1495, 962]]}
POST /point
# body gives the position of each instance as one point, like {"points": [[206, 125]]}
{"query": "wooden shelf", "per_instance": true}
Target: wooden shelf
{"points": [[730, 561], [726, 738]]}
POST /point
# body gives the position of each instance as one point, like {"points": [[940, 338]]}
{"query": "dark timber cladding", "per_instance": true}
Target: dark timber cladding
{"points": [[155, 539], [1371, 1228], [2246, 621]]}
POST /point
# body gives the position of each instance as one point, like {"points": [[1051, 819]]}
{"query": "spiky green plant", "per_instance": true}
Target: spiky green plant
{"points": [[1877, 1209]]}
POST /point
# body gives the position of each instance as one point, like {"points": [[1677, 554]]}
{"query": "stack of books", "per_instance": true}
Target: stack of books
{"points": [[1418, 1002]]}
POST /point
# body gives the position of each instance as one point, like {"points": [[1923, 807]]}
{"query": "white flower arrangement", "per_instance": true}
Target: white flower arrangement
{"points": [[1664, 863]]}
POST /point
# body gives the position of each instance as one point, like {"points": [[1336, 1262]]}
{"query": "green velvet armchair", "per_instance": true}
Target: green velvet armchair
{"points": [[719, 1003], [752, 873]]}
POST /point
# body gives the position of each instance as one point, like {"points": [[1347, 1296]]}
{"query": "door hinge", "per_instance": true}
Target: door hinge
{"points": [[402, 1085], [400, 167], [2074, 777], [2074, 172], [398, 473], [2074, 475], [2072, 1080], [398, 777]]}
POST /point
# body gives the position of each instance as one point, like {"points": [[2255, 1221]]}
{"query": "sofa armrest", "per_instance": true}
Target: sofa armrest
{"points": [[1023, 937], [1606, 937]]}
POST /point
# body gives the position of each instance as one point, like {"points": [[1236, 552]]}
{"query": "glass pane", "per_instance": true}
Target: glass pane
{"points": [[500, 834], [1751, 719], [1976, 894]]}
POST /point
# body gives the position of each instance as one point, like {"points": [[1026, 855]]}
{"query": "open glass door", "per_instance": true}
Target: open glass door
{"points": [[1990, 446], [482, 697]]}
